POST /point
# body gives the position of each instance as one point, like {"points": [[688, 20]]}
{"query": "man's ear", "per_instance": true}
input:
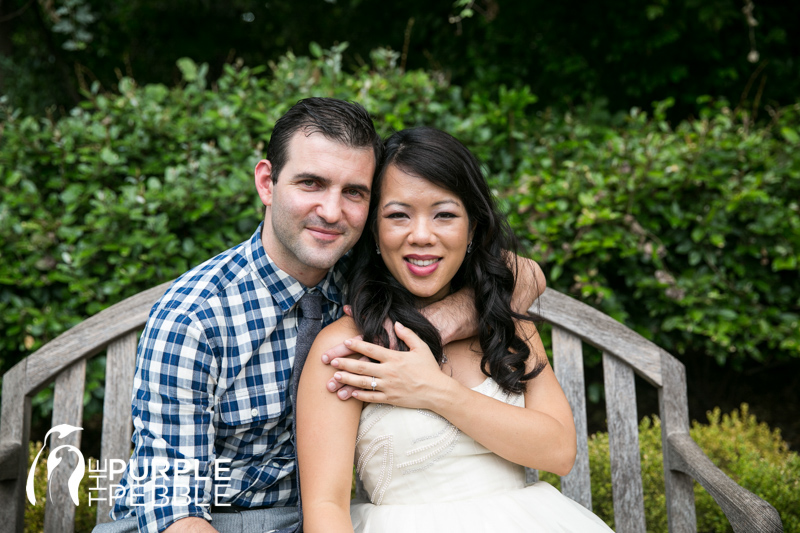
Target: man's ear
{"points": [[264, 183]]}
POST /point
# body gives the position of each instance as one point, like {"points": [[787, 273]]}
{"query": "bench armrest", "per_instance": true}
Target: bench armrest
{"points": [[745, 511], [9, 460]]}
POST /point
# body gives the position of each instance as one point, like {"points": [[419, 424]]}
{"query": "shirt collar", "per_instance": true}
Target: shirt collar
{"points": [[285, 290]]}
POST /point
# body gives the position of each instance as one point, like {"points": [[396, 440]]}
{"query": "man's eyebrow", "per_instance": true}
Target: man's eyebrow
{"points": [[310, 176], [325, 181], [359, 187]]}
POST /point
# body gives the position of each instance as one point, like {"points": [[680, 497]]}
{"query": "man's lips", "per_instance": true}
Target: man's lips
{"points": [[324, 234]]}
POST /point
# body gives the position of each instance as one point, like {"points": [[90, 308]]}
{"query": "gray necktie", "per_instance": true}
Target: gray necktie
{"points": [[308, 325]]}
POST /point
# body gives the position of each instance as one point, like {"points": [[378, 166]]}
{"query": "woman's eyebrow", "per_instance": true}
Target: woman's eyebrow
{"points": [[395, 202], [435, 204], [448, 201]]}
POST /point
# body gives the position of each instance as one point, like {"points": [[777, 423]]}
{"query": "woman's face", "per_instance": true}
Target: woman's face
{"points": [[423, 232]]}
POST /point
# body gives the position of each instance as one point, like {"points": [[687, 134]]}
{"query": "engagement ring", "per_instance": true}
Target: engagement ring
{"points": [[374, 384]]}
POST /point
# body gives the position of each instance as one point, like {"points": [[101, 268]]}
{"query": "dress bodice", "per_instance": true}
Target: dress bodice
{"points": [[408, 456]]}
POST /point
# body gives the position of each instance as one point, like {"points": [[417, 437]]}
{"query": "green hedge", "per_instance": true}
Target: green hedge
{"points": [[749, 452], [688, 233]]}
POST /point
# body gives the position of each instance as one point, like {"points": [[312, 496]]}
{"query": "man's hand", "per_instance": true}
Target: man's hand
{"points": [[191, 524], [343, 350], [456, 317], [406, 379]]}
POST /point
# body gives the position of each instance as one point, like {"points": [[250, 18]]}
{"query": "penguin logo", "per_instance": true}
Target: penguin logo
{"points": [[53, 460]]}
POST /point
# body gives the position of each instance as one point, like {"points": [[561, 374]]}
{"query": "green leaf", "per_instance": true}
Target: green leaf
{"points": [[790, 135], [188, 69]]}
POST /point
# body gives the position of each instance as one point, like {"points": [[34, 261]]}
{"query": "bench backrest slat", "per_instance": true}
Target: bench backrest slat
{"points": [[59, 515], [14, 434], [568, 363], [623, 446], [117, 426], [674, 408]]}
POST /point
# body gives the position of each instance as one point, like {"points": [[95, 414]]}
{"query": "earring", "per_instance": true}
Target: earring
{"points": [[377, 249], [469, 247]]}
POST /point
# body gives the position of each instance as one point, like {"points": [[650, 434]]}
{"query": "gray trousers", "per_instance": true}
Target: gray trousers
{"points": [[257, 521]]}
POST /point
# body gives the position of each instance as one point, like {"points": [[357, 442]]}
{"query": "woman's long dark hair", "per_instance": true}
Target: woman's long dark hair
{"points": [[375, 295]]}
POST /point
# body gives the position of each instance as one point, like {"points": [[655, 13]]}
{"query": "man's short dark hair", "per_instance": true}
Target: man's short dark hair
{"points": [[347, 123]]}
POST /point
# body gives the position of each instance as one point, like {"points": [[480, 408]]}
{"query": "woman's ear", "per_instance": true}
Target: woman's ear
{"points": [[472, 228]]}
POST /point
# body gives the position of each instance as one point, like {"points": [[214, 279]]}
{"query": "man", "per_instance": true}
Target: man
{"points": [[212, 408]]}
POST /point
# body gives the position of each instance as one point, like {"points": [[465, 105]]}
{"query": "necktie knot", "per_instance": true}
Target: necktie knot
{"points": [[311, 305]]}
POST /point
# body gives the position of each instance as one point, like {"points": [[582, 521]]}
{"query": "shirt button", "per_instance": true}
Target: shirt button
{"points": [[249, 493], [254, 412]]}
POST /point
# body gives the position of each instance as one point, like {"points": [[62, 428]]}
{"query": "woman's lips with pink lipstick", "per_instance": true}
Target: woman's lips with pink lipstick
{"points": [[422, 265]]}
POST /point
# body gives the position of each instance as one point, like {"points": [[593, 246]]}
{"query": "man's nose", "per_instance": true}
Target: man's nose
{"points": [[330, 207]]}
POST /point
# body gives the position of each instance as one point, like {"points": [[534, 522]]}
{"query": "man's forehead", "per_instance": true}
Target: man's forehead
{"points": [[310, 135], [305, 146]]}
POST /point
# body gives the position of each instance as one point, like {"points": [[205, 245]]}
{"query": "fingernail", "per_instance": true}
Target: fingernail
{"points": [[348, 342], [343, 394], [335, 362], [399, 325], [354, 395], [337, 376], [331, 386], [325, 358]]}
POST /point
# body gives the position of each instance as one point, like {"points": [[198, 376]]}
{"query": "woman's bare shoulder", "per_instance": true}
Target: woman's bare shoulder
{"points": [[335, 333], [331, 336]]}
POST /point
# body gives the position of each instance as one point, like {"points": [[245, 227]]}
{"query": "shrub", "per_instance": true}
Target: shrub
{"points": [[687, 233], [749, 452]]}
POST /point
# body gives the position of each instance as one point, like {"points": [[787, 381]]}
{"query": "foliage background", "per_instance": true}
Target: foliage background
{"points": [[646, 154]]}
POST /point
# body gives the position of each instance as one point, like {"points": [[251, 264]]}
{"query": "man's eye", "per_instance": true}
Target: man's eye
{"points": [[308, 183], [354, 193]]}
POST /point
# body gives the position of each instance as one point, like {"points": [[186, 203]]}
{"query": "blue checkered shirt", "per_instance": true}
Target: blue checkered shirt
{"points": [[211, 385]]}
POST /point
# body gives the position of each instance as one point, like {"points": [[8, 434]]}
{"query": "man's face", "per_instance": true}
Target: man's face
{"points": [[317, 209]]}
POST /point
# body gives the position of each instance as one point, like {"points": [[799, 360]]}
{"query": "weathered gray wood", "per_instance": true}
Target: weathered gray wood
{"points": [[117, 425], [14, 434], [89, 337], [531, 475], [674, 409], [9, 457], [361, 492], [745, 511], [600, 331], [623, 446], [59, 516], [568, 363]]}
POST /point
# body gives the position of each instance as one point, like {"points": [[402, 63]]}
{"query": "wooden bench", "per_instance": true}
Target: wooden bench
{"points": [[116, 331]]}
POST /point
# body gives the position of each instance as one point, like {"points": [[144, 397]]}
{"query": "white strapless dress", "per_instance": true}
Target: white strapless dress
{"points": [[424, 475]]}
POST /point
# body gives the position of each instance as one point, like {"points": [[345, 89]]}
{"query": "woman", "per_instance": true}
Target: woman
{"points": [[443, 451]]}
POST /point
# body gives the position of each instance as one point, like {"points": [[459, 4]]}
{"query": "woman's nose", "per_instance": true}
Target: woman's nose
{"points": [[421, 233]]}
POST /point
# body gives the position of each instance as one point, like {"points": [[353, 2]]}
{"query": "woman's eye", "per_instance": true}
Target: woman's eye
{"points": [[446, 215], [396, 215]]}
